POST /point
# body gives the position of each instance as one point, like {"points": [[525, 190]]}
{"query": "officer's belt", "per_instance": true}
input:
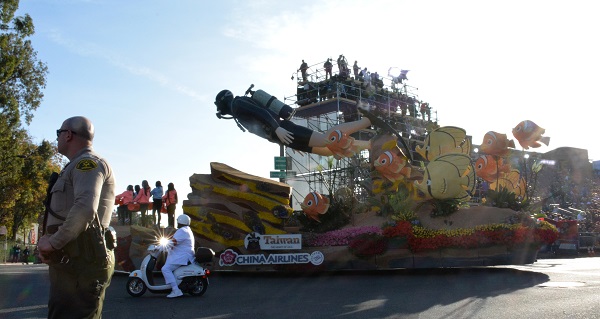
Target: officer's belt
{"points": [[50, 230]]}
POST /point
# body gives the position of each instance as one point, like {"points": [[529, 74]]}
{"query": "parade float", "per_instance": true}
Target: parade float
{"points": [[400, 192]]}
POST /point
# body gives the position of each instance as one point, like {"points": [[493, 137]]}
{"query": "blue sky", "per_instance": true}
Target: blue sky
{"points": [[146, 72]]}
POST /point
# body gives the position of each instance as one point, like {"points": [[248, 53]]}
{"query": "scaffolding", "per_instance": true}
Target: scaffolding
{"points": [[322, 102]]}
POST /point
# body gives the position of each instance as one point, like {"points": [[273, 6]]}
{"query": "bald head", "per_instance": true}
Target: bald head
{"points": [[82, 127], [75, 134]]}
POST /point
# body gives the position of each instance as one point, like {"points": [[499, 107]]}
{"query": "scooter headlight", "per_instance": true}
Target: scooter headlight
{"points": [[164, 242]]}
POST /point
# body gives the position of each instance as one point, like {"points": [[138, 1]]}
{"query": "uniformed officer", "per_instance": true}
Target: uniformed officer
{"points": [[82, 195]]}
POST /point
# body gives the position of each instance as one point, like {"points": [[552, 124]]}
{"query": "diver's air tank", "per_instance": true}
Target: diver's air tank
{"points": [[272, 103]]}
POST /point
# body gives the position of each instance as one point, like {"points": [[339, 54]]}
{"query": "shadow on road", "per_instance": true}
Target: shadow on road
{"points": [[380, 293]]}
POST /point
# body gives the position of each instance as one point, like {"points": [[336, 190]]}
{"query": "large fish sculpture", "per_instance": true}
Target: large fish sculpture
{"points": [[496, 144], [530, 134], [489, 169], [392, 165], [341, 145], [444, 140], [513, 182], [449, 176], [315, 204]]}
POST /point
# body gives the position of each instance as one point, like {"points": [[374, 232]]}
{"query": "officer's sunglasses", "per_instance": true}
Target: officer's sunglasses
{"points": [[60, 131]]}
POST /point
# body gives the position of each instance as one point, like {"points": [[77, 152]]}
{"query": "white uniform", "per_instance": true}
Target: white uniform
{"points": [[179, 254]]}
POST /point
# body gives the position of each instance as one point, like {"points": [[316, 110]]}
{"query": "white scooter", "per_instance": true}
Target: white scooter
{"points": [[191, 278]]}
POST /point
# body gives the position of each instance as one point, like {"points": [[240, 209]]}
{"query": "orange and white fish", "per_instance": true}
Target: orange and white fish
{"points": [[513, 182], [315, 204], [340, 144], [489, 169], [496, 144], [530, 134], [392, 166]]}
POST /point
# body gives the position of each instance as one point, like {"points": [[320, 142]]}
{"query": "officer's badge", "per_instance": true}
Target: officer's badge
{"points": [[86, 165]]}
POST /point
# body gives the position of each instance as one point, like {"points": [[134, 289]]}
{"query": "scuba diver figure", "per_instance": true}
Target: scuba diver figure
{"points": [[262, 114]]}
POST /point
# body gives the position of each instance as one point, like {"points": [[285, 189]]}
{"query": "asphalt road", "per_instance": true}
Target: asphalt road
{"points": [[550, 288]]}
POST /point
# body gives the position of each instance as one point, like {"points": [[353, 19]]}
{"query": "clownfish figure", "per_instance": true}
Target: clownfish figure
{"points": [[315, 204], [489, 169], [496, 144], [530, 134], [340, 144], [392, 166]]}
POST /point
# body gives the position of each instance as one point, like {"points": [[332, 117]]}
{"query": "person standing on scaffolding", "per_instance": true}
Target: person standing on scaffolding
{"points": [[356, 70], [342, 65], [328, 68], [303, 69]]}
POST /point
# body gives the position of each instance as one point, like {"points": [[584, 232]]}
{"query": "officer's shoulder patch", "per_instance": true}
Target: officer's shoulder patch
{"points": [[86, 164]]}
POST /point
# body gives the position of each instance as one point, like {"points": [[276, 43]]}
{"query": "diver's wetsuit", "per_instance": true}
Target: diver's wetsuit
{"points": [[260, 120]]}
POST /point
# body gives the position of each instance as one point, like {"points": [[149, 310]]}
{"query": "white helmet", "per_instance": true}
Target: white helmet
{"points": [[184, 220]]}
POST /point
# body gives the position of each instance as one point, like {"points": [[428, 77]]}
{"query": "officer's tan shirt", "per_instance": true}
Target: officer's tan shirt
{"points": [[84, 187]]}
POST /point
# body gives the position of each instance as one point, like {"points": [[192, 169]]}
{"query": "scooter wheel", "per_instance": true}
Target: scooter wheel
{"points": [[136, 287], [198, 286]]}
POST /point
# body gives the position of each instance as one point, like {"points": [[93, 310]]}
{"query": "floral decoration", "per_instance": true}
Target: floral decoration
{"points": [[340, 237], [368, 245], [421, 239]]}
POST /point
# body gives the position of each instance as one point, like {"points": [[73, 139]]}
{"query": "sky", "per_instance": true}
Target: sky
{"points": [[146, 72]]}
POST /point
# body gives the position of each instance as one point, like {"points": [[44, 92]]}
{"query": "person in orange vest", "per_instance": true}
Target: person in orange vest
{"points": [[143, 198], [170, 200], [124, 199]]}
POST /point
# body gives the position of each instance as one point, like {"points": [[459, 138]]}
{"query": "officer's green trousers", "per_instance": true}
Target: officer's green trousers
{"points": [[77, 288]]}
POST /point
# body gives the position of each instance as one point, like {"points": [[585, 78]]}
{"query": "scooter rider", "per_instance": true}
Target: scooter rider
{"points": [[181, 251]]}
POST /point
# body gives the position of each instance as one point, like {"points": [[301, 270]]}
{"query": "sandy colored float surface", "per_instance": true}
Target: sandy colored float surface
{"points": [[465, 218]]}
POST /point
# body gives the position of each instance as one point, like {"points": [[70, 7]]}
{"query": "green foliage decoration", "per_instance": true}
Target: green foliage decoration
{"points": [[503, 198], [443, 207]]}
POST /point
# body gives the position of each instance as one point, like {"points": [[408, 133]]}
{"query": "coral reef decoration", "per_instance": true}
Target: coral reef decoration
{"points": [[227, 204]]}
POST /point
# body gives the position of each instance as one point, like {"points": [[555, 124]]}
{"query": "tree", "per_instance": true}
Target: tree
{"points": [[39, 163], [22, 80], [11, 156], [22, 75]]}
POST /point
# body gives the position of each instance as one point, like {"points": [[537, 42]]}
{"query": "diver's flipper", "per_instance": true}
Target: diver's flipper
{"points": [[376, 121]]}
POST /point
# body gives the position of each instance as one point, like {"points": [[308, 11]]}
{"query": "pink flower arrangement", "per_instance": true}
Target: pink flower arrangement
{"points": [[368, 245], [340, 237], [420, 239]]}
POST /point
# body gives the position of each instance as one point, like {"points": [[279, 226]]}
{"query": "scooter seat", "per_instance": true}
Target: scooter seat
{"points": [[204, 255]]}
